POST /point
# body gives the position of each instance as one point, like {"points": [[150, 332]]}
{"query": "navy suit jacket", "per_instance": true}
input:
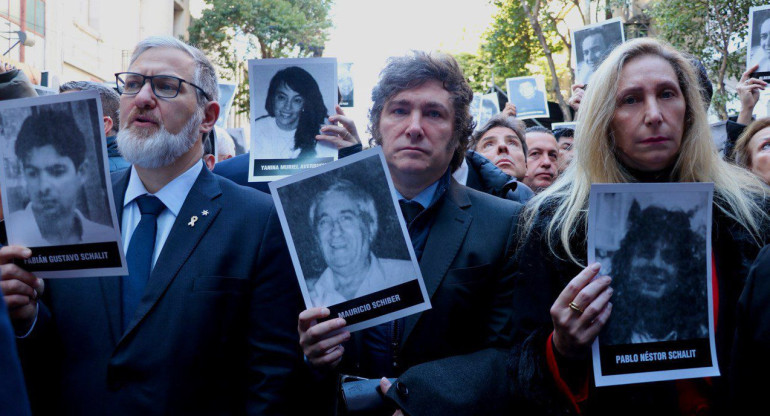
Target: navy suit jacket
{"points": [[13, 396], [214, 334]]}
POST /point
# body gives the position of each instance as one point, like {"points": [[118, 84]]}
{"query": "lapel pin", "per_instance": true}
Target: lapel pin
{"points": [[205, 212], [192, 221]]}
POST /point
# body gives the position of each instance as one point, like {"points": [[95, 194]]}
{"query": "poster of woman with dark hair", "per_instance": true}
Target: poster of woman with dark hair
{"points": [[290, 101]]}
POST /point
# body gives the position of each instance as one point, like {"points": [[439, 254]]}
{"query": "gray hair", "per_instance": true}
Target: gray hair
{"points": [[364, 202], [501, 120], [109, 97], [411, 71], [225, 144], [205, 74]]}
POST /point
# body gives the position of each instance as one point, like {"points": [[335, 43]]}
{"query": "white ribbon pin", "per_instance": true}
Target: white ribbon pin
{"points": [[192, 221]]}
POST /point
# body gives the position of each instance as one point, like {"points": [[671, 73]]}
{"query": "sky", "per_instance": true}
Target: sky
{"points": [[367, 32]]}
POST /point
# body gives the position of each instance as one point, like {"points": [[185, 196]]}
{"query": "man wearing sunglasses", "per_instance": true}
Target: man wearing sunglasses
{"points": [[203, 322]]}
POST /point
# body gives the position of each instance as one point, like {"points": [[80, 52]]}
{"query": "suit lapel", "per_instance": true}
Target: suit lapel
{"points": [[111, 294], [181, 242], [444, 241]]}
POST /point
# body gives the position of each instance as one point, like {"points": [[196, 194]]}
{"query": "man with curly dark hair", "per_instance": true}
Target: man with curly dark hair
{"points": [[462, 238]]}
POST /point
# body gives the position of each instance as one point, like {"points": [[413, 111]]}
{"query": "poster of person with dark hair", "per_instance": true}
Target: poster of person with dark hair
{"points": [[758, 45], [528, 95], [56, 189], [654, 240], [592, 44], [290, 100], [349, 244]]}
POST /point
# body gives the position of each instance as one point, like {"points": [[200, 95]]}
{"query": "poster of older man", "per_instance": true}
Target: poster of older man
{"points": [[758, 45], [56, 190], [528, 95], [290, 100], [349, 244], [592, 44], [654, 240]]}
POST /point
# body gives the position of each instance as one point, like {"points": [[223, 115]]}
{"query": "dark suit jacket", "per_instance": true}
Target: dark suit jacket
{"points": [[214, 334], [13, 396], [468, 272]]}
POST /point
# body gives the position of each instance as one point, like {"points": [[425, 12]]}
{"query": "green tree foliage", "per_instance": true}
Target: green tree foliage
{"points": [[713, 31], [517, 47], [267, 28], [476, 70]]}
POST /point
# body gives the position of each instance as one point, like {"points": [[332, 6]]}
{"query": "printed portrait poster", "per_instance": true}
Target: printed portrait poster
{"points": [[348, 241], [56, 187], [758, 45], [345, 83], [592, 44], [528, 95], [654, 241], [483, 108], [226, 97], [290, 100]]}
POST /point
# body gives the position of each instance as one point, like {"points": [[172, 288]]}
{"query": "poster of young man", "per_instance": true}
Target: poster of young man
{"points": [[758, 45], [654, 241], [56, 189], [528, 95], [592, 44], [349, 244], [290, 100], [483, 107]]}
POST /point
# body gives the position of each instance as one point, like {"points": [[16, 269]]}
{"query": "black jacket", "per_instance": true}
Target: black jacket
{"points": [[541, 277], [484, 176]]}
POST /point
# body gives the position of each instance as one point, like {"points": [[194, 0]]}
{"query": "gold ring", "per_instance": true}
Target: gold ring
{"points": [[575, 307]]}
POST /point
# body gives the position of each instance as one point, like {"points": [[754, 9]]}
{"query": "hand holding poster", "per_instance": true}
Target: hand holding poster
{"points": [[56, 189], [348, 242], [654, 241], [290, 100]]}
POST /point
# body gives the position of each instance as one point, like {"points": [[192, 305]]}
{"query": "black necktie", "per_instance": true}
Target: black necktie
{"points": [[139, 255], [410, 209]]}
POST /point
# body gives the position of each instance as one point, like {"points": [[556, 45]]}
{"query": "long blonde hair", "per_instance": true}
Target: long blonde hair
{"points": [[596, 160]]}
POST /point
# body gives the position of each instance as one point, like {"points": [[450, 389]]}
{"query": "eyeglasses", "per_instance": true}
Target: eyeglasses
{"points": [[163, 86], [346, 221]]}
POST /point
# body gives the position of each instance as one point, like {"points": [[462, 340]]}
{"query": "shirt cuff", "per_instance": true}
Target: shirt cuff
{"points": [[37, 309], [574, 398]]}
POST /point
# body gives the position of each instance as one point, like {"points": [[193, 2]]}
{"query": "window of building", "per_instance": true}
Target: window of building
{"points": [[35, 16]]}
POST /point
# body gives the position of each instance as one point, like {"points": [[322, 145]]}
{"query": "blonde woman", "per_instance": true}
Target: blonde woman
{"points": [[641, 120], [752, 150]]}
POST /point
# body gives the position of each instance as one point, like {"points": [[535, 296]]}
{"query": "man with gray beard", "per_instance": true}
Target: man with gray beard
{"points": [[203, 322]]}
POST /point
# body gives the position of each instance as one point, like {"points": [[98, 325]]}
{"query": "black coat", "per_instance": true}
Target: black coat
{"points": [[751, 351], [541, 277]]}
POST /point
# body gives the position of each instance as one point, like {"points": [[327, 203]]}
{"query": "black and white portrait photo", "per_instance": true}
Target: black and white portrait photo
{"points": [[528, 95], [290, 100], [759, 40], [350, 247], [56, 190], [653, 240], [592, 44], [483, 107], [345, 82]]}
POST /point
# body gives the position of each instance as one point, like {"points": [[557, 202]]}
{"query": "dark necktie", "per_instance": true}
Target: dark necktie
{"points": [[410, 209], [139, 255]]}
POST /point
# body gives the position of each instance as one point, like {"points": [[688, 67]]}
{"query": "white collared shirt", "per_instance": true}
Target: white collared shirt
{"points": [[172, 195]]}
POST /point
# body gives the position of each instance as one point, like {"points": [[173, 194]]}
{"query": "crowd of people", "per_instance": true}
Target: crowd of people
{"points": [[210, 319]]}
